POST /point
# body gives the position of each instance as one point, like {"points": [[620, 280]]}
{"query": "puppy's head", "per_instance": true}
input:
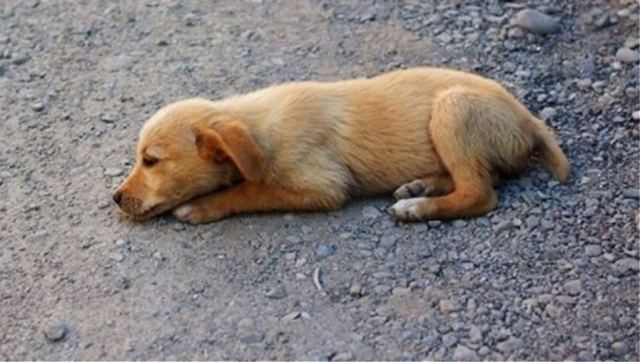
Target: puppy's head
{"points": [[186, 149]]}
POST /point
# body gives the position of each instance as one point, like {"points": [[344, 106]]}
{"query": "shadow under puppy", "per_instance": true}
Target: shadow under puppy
{"points": [[441, 139]]}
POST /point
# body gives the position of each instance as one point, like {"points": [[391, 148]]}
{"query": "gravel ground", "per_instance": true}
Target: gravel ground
{"points": [[553, 273]]}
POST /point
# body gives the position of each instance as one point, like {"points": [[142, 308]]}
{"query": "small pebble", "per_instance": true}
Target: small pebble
{"points": [[252, 338], [627, 55], [113, 172], [276, 293], [118, 63], [117, 257], [631, 193], [355, 290], [324, 251], [109, 117], [593, 250], [510, 345], [19, 59], [343, 356], [537, 22], [370, 212], [625, 266], [619, 349], [446, 306], [573, 287], [55, 332], [38, 106], [122, 242], [291, 316], [191, 19], [462, 353], [548, 113]]}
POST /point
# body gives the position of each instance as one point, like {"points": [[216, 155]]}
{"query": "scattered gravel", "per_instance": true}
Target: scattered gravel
{"points": [[551, 274]]}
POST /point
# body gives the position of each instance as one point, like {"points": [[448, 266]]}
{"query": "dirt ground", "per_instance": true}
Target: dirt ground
{"points": [[551, 274]]}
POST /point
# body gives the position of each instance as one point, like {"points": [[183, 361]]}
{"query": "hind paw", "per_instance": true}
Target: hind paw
{"points": [[411, 189]]}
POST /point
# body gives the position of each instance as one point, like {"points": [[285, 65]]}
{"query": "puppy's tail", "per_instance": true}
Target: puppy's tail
{"points": [[553, 159]]}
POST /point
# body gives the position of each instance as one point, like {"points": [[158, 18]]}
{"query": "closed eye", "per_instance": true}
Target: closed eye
{"points": [[149, 161]]}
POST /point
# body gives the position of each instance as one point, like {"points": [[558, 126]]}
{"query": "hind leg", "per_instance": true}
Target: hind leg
{"points": [[454, 205], [461, 134], [429, 186]]}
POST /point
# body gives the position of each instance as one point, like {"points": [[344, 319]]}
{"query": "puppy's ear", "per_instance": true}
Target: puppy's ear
{"points": [[231, 141]]}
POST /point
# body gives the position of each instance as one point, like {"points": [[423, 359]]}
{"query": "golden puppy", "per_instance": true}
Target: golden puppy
{"points": [[440, 138]]}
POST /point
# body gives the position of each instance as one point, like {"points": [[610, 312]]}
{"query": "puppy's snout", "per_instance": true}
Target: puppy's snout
{"points": [[117, 197]]}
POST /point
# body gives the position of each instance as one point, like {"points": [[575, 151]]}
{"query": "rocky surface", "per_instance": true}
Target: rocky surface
{"points": [[551, 274]]}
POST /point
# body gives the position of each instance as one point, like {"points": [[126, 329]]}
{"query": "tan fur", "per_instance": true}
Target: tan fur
{"points": [[444, 135]]}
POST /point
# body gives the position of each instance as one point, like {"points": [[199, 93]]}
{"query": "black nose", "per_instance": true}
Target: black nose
{"points": [[117, 197]]}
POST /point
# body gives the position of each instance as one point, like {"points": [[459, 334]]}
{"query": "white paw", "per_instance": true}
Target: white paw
{"points": [[407, 209], [187, 213]]}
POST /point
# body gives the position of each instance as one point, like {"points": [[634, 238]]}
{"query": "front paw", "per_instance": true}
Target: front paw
{"points": [[195, 214], [408, 209]]}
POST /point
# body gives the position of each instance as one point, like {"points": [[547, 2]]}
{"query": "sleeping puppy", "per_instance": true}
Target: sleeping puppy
{"points": [[441, 139]]}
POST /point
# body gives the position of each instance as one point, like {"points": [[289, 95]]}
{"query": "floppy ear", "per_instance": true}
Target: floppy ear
{"points": [[232, 141]]}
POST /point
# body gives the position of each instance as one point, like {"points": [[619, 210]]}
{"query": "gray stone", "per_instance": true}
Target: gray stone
{"points": [[459, 224], [573, 287], [116, 257], [118, 63], [632, 193], [246, 325], [625, 266], [532, 222], [619, 349], [593, 250], [475, 334], [537, 22], [503, 225], [400, 291], [370, 212], [343, 356], [37, 106], [484, 350], [355, 290], [276, 293], [113, 172], [449, 340], [109, 117], [462, 353], [324, 251], [122, 242], [252, 338], [627, 55], [382, 289], [446, 306], [548, 113], [19, 59], [55, 332], [510, 345], [291, 316], [191, 19]]}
